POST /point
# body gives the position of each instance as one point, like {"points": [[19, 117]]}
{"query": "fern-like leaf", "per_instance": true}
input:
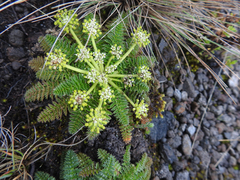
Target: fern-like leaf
{"points": [[126, 132], [47, 74], [36, 63], [119, 107], [70, 170], [39, 175], [40, 91], [54, 111], [88, 167], [77, 82]]}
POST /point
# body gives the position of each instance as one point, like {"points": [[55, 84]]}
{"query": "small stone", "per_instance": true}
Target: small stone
{"points": [[184, 95], [182, 127], [235, 138], [238, 123], [221, 127], [170, 91], [195, 122], [175, 142], [217, 110], [171, 134], [180, 107], [191, 130], [210, 116], [178, 165], [189, 88], [164, 172], [177, 95], [205, 159], [16, 37], [222, 148], [184, 175], [202, 100], [186, 145], [206, 123], [167, 153], [233, 81], [14, 54], [195, 160], [231, 108], [238, 147], [232, 161], [16, 65], [199, 135], [226, 118]]}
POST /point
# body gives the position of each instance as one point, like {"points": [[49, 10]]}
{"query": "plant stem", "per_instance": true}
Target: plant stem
{"points": [[126, 54], [110, 59], [116, 87], [76, 69], [91, 89], [94, 44], [122, 75], [76, 38]]}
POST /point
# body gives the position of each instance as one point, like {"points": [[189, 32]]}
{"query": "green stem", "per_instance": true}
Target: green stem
{"points": [[100, 104], [94, 44], [91, 89], [76, 69], [122, 75], [116, 87], [76, 38], [118, 80], [126, 54], [110, 59]]}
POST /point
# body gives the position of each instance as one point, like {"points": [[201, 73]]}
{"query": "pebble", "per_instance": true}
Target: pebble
{"points": [[221, 127], [184, 175], [210, 115], [180, 107], [189, 88], [16, 65], [164, 172], [14, 54], [175, 142], [226, 118], [177, 95], [167, 153], [232, 161], [191, 130], [170, 91], [15, 37], [186, 145], [184, 95]]}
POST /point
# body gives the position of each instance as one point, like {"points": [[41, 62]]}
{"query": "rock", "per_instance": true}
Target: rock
{"points": [[171, 134], [184, 95], [186, 145], [195, 122], [179, 165], [202, 100], [232, 161], [226, 118], [238, 147], [14, 54], [164, 172], [221, 127], [231, 108], [233, 81], [175, 142], [182, 127], [199, 135], [179, 108], [161, 126], [205, 159], [170, 91], [16, 37], [235, 137], [184, 175], [167, 154], [209, 116], [217, 110], [191, 130], [195, 160], [16, 65], [177, 95], [189, 88]]}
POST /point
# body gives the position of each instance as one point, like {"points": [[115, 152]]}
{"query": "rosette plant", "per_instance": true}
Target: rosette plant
{"points": [[93, 75]]}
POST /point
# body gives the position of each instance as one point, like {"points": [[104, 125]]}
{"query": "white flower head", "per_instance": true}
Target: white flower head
{"points": [[116, 51], [91, 27], [98, 57], [110, 69], [92, 75], [144, 73], [102, 79], [141, 109], [106, 94], [140, 36], [128, 81], [83, 54]]}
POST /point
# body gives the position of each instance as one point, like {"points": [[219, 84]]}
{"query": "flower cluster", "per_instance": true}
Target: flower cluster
{"points": [[91, 27], [96, 120], [128, 81], [83, 54], [141, 37], [144, 73], [98, 57], [141, 109], [116, 51], [63, 18], [56, 59], [106, 94], [78, 99]]}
